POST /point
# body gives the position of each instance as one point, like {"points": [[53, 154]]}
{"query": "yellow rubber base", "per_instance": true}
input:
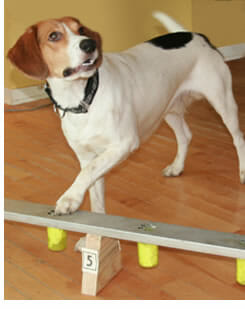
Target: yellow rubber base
{"points": [[56, 239], [240, 271], [148, 255]]}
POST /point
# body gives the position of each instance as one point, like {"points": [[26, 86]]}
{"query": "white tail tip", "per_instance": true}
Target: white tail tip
{"points": [[168, 22]]}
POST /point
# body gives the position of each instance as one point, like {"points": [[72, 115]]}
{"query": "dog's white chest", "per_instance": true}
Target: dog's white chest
{"points": [[82, 138]]}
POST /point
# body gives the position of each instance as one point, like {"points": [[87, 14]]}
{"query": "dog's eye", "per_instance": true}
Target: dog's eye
{"points": [[81, 30], [55, 36]]}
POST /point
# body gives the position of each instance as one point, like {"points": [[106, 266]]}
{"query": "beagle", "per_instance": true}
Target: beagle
{"points": [[110, 103]]}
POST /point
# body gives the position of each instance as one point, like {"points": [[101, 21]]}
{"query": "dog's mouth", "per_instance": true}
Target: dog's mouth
{"points": [[87, 65], [88, 62]]}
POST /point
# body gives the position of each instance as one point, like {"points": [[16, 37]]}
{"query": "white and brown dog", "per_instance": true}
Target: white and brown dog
{"points": [[110, 103]]}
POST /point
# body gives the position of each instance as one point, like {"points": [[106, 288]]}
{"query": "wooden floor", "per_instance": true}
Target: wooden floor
{"points": [[39, 166]]}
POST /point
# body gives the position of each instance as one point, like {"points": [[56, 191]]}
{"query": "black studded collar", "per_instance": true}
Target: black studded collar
{"points": [[84, 104]]}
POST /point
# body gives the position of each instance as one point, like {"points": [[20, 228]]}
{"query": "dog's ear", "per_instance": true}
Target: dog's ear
{"points": [[26, 55]]}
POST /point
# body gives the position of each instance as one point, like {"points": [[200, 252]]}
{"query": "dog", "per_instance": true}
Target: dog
{"points": [[110, 103]]}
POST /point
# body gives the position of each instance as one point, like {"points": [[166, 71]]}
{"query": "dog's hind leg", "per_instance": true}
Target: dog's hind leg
{"points": [[183, 137], [229, 114], [222, 99]]}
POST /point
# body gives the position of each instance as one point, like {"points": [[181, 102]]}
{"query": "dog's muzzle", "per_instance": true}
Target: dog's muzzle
{"points": [[88, 46]]}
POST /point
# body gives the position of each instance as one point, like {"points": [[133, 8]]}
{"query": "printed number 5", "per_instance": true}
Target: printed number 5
{"points": [[89, 260]]}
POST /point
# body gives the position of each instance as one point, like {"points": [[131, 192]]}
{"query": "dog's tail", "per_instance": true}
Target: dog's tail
{"points": [[168, 22]]}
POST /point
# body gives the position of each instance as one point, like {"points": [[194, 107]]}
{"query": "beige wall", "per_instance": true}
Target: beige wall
{"points": [[223, 21], [124, 23]]}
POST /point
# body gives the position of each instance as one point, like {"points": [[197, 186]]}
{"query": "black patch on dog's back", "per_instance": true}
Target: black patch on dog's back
{"points": [[172, 40]]}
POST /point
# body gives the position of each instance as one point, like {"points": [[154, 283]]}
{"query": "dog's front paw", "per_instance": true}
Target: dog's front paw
{"points": [[66, 205]]}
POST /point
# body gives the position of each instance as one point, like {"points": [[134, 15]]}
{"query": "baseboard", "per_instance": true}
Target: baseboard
{"points": [[24, 95], [34, 93], [233, 52]]}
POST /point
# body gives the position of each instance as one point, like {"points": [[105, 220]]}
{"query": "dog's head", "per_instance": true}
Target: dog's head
{"points": [[61, 48]]}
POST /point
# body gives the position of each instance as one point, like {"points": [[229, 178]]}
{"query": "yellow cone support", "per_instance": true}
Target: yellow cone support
{"points": [[240, 271], [148, 255], [56, 239]]}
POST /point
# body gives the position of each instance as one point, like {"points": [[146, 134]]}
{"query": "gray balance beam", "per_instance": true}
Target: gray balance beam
{"points": [[161, 234]]}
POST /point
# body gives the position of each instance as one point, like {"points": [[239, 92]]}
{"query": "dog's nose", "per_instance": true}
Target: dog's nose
{"points": [[88, 46]]}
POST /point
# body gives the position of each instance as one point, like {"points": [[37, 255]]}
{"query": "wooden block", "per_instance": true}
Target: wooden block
{"points": [[101, 261]]}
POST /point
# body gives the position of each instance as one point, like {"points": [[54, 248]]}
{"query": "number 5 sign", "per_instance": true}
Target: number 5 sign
{"points": [[90, 262]]}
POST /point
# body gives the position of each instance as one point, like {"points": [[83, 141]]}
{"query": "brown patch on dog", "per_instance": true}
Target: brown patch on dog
{"points": [[27, 57], [38, 57], [71, 22], [54, 53]]}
